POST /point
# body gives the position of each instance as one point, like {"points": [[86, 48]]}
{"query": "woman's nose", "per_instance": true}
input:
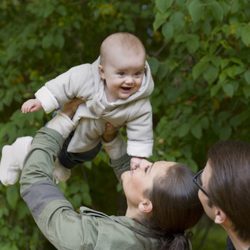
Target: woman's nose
{"points": [[145, 164]]}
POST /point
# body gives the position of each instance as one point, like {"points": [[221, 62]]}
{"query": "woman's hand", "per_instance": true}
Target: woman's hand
{"points": [[70, 108], [110, 132]]}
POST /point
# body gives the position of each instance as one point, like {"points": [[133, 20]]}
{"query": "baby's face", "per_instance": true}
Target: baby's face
{"points": [[123, 72]]}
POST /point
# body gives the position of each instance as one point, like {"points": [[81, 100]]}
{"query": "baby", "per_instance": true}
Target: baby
{"points": [[114, 89]]}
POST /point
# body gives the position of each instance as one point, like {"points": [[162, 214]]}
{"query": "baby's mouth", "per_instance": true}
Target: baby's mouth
{"points": [[126, 88]]}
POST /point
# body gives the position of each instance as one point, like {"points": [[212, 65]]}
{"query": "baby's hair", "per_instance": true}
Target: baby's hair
{"points": [[125, 40]]}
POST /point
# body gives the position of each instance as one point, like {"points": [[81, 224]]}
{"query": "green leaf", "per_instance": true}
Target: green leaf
{"points": [[246, 91], [193, 43], [235, 6], [47, 9], [238, 119], [47, 41], [177, 20], [214, 89], [22, 211], [225, 132], [211, 73], [86, 195], [228, 89], [224, 63], [160, 18], [234, 71], [12, 196], [183, 130], [9, 246], [168, 31], [204, 122], [217, 10], [196, 10], [88, 164], [247, 76], [196, 131], [245, 34], [62, 10], [154, 64], [58, 40], [163, 5], [200, 67]]}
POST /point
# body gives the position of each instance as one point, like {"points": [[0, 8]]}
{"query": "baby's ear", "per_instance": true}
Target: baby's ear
{"points": [[101, 71]]}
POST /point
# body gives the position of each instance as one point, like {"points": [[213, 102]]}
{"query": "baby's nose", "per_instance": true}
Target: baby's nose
{"points": [[129, 79]]}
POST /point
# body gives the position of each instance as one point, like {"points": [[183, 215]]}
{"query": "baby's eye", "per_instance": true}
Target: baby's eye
{"points": [[139, 74], [120, 73], [146, 169]]}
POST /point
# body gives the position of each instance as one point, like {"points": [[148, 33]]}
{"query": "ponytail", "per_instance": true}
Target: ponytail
{"points": [[180, 241]]}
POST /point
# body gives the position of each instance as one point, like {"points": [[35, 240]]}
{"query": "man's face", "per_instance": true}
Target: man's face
{"points": [[123, 72], [204, 199]]}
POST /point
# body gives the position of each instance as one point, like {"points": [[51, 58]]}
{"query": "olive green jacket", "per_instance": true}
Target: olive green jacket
{"points": [[60, 223]]}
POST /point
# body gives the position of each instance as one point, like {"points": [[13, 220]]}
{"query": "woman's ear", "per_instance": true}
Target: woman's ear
{"points": [[101, 71], [145, 206]]}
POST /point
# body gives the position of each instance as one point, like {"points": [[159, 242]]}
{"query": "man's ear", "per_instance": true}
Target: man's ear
{"points": [[101, 71], [220, 216], [145, 206]]}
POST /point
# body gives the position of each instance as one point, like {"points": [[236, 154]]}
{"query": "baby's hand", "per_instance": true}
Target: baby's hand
{"points": [[31, 105], [135, 162]]}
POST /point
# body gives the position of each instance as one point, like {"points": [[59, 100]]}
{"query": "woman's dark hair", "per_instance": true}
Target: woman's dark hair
{"points": [[176, 206], [229, 183]]}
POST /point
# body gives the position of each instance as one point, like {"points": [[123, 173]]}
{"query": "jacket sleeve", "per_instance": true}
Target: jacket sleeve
{"points": [[63, 88], [140, 130], [54, 215]]}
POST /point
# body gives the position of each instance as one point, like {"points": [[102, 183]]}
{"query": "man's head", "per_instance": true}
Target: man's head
{"points": [[226, 181], [122, 65]]}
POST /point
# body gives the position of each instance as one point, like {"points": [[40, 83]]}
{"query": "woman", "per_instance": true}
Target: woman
{"points": [[161, 197]]}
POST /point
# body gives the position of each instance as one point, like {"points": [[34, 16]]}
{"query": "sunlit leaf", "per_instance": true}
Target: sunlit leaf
{"points": [[163, 5], [228, 89], [196, 10], [168, 30]]}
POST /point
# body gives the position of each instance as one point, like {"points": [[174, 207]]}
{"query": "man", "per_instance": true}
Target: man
{"points": [[224, 190]]}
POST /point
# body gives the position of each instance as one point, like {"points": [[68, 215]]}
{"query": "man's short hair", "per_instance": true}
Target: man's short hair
{"points": [[229, 185]]}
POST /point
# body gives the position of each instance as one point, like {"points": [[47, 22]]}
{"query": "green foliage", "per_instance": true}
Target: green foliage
{"points": [[39, 40], [198, 51], [202, 76], [213, 237]]}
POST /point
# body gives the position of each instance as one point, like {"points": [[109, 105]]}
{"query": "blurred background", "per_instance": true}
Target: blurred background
{"points": [[198, 51]]}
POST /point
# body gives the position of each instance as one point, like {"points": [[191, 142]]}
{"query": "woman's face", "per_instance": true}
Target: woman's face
{"points": [[137, 181]]}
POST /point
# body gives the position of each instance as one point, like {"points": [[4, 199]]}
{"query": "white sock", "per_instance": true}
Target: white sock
{"points": [[12, 160]]}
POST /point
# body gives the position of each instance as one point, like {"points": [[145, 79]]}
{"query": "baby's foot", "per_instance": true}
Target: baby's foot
{"points": [[12, 160]]}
